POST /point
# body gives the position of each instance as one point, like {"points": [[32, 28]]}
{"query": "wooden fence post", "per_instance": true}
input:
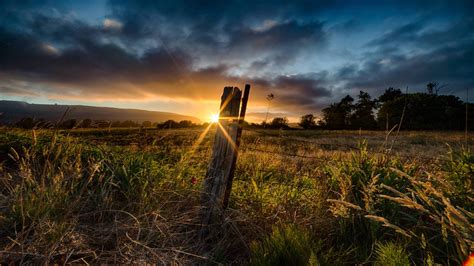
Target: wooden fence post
{"points": [[219, 176], [243, 109]]}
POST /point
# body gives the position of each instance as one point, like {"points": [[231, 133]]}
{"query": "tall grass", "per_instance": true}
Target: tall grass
{"points": [[85, 199], [381, 199], [64, 195]]}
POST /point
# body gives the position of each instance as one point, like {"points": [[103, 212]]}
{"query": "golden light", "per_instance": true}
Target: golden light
{"points": [[214, 118]]}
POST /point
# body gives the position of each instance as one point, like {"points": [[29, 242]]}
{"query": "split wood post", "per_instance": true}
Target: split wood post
{"points": [[219, 176], [243, 109]]}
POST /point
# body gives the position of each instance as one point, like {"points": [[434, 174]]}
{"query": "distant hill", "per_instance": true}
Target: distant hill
{"points": [[12, 111]]}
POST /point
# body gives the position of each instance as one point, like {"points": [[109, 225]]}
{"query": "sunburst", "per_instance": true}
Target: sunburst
{"points": [[214, 118]]}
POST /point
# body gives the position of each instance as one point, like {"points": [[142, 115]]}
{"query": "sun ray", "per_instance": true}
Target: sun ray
{"points": [[226, 135], [193, 148], [201, 138]]}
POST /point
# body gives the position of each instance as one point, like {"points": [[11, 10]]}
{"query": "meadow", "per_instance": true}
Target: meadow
{"points": [[300, 197]]}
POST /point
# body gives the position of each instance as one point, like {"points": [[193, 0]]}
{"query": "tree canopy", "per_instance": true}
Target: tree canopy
{"points": [[420, 111], [307, 121], [279, 122]]}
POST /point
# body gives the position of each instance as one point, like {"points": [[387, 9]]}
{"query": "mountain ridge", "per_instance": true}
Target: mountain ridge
{"points": [[13, 111]]}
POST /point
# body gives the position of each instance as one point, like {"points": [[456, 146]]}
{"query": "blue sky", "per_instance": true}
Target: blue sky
{"points": [[178, 55]]}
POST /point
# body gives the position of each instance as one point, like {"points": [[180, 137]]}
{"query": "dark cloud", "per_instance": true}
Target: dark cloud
{"points": [[215, 13], [281, 39], [347, 71], [418, 33], [189, 49], [72, 54], [227, 31], [75, 55], [272, 34], [415, 54], [451, 65], [300, 84], [300, 92], [402, 34]]}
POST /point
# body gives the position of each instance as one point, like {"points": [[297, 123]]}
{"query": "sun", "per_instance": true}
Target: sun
{"points": [[214, 118]]}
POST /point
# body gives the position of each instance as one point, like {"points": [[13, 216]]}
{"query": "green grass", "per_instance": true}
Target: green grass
{"points": [[285, 246], [391, 254], [130, 196]]}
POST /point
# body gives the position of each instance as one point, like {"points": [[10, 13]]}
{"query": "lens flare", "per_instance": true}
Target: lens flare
{"points": [[215, 118]]}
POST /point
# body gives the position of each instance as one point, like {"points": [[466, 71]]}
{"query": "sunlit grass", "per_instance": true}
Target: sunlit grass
{"points": [[130, 196]]}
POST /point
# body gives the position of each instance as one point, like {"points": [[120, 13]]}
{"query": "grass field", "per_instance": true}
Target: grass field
{"points": [[299, 197]]}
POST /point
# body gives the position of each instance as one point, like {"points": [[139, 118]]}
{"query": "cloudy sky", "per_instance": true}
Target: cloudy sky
{"points": [[178, 55]]}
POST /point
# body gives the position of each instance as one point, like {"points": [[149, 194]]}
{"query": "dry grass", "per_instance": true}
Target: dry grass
{"points": [[131, 196]]}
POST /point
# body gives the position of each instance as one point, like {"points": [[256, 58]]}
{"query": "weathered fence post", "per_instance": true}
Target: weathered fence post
{"points": [[219, 176], [243, 109]]}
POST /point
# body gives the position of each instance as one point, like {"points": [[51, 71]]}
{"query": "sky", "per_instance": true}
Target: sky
{"points": [[177, 56]]}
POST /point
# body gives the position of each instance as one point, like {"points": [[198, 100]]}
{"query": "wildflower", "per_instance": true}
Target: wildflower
{"points": [[470, 260]]}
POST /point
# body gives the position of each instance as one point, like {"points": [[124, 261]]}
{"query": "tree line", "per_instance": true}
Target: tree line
{"points": [[414, 111]]}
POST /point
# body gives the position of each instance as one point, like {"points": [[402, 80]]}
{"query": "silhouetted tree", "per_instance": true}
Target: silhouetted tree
{"points": [[389, 95], [337, 115], [423, 111], [428, 111], [363, 116], [169, 124], [255, 125], [307, 121], [279, 122], [146, 124], [430, 87], [390, 111], [185, 123]]}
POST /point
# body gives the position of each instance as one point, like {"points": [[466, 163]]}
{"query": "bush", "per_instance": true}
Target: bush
{"points": [[279, 122]]}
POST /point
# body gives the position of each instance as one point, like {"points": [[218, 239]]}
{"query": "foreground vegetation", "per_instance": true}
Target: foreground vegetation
{"points": [[299, 197]]}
